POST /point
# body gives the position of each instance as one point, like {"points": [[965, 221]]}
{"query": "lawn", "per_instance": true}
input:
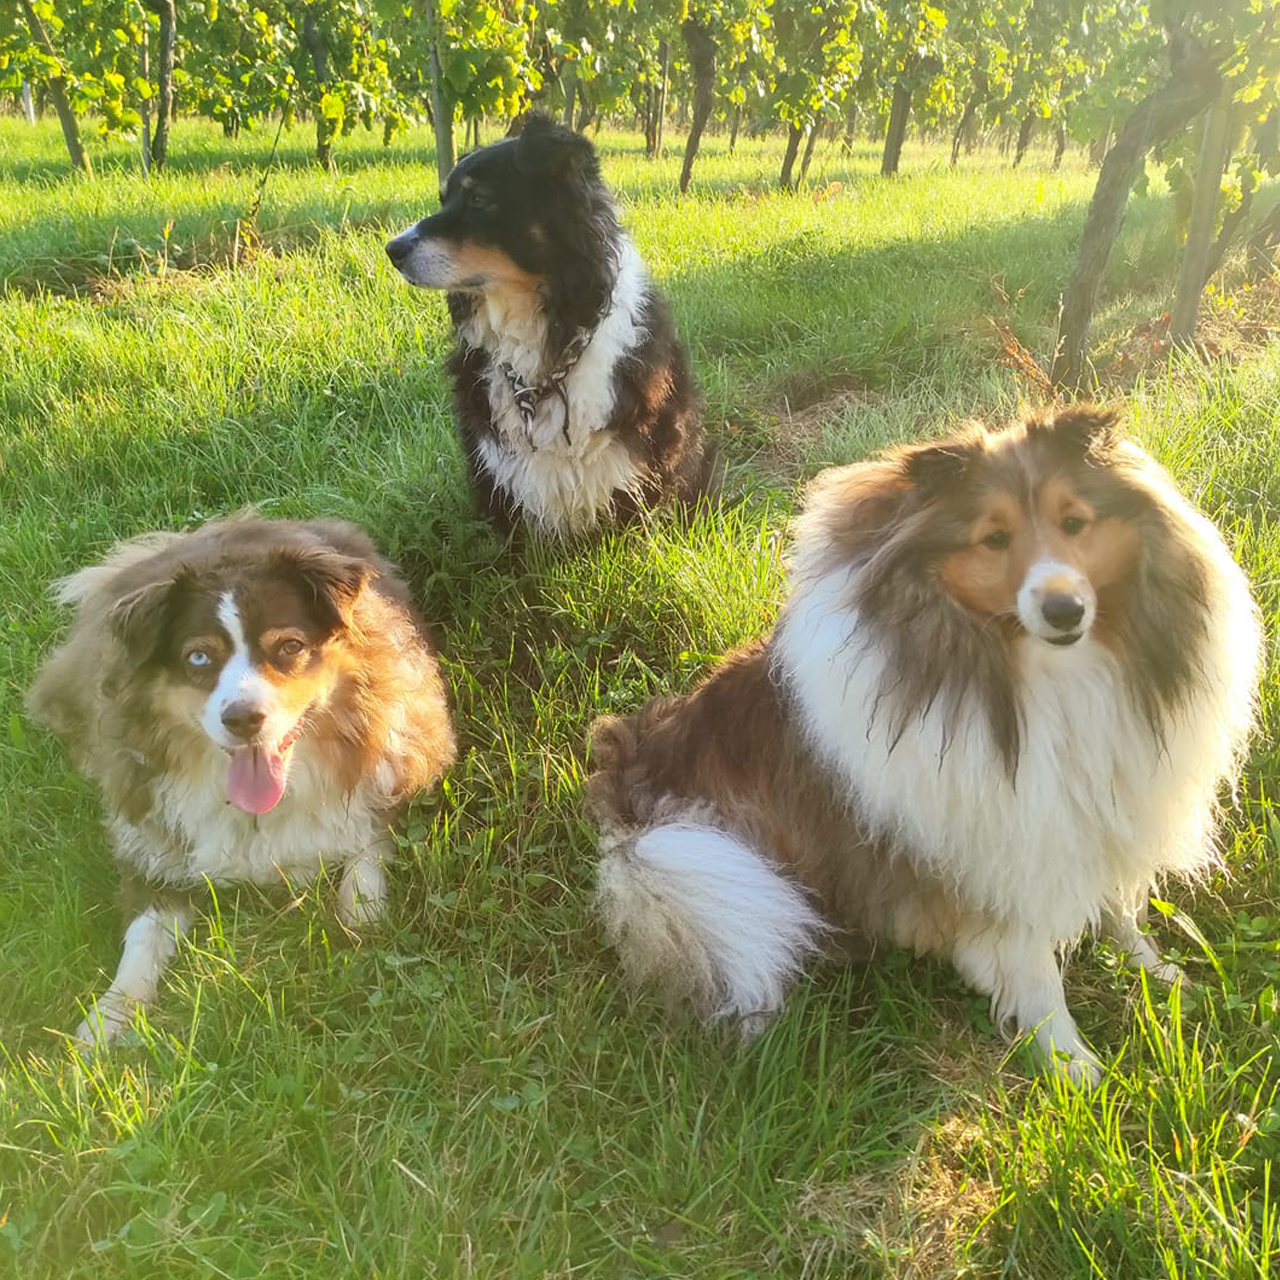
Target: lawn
{"points": [[470, 1091]]}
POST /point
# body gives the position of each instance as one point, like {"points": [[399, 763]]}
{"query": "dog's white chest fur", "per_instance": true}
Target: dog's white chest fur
{"points": [[1098, 808], [562, 475], [193, 832]]}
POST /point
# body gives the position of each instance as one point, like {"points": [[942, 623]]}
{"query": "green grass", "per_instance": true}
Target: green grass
{"points": [[472, 1092]]}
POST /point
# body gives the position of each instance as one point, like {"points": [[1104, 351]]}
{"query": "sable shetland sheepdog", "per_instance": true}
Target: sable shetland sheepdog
{"points": [[1013, 672], [572, 393], [255, 700]]}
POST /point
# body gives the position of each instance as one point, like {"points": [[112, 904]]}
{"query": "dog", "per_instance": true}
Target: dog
{"points": [[1013, 672], [256, 700], [572, 393]]}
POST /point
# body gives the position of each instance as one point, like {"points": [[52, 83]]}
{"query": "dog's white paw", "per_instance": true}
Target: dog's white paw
{"points": [[1082, 1071], [1139, 949], [1167, 972], [362, 895], [753, 1025], [105, 1023]]}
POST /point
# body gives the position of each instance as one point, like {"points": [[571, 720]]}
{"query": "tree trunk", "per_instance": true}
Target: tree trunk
{"points": [[1025, 130], [1060, 140], [1261, 242], [570, 93], [1158, 116], [897, 131], [850, 125], [664, 71], [58, 92], [586, 111], [1215, 150], [1231, 223], [28, 103], [733, 128], [144, 107], [788, 160], [441, 106], [314, 44], [971, 106], [651, 121], [164, 79], [702, 58], [1266, 138], [814, 130]]}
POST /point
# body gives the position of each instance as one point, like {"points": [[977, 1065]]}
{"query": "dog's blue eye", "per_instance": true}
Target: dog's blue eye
{"points": [[1072, 525], [998, 540], [198, 658]]}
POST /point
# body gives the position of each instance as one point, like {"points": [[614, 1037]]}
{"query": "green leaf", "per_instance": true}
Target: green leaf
{"points": [[332, 106], [207, 1214]]}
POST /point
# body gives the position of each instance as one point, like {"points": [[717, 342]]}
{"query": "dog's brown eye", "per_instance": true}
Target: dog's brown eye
{"points": [[290, 648], [997, 540], [1073, 525]]}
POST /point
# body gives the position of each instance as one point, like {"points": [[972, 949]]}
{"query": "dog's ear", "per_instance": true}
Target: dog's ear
{"points": [[332, 581], [550, 150], [1089, 431], [137, 619], [935, 465]]}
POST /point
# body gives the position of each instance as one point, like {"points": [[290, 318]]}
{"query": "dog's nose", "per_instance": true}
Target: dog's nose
{"points": [[1062, 611], [242, 720], [398, 249]]}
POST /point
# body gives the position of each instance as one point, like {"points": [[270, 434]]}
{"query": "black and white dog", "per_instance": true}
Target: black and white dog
{"points": [[573, 394]]}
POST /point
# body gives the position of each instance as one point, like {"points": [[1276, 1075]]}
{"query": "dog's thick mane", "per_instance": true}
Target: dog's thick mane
{"points": [[887, 523]]}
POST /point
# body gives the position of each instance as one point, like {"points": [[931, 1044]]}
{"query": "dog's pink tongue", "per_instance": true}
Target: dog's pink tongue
{"points": [[255, 782]]}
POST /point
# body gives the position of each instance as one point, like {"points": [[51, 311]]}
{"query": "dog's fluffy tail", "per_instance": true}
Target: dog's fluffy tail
{"points": [[701, 912], [687, 903]]}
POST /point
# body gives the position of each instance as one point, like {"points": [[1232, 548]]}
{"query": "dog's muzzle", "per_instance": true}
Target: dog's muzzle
{"points": [[400, 247], [1056, 604], [426, 260]]}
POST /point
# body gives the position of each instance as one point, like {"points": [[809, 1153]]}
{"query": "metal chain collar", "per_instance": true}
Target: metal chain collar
{"points": [[528, 398]]}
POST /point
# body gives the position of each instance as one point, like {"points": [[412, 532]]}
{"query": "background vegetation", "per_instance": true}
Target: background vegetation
{"points": [[470, 1091], [1194, 83]]}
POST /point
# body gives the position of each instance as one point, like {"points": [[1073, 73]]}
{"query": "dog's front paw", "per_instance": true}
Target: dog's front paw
{"points": [[362, 895], [1081, 1070], [751, 1026], [1167, 972], [106, 1022]]}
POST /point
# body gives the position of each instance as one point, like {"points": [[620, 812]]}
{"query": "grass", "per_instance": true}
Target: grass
{"points": [[472, 1092]]}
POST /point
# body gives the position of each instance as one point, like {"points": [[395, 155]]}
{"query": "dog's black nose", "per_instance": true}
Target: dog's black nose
{"points": [[398, 250], [242, 720], [1062, 611]]}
